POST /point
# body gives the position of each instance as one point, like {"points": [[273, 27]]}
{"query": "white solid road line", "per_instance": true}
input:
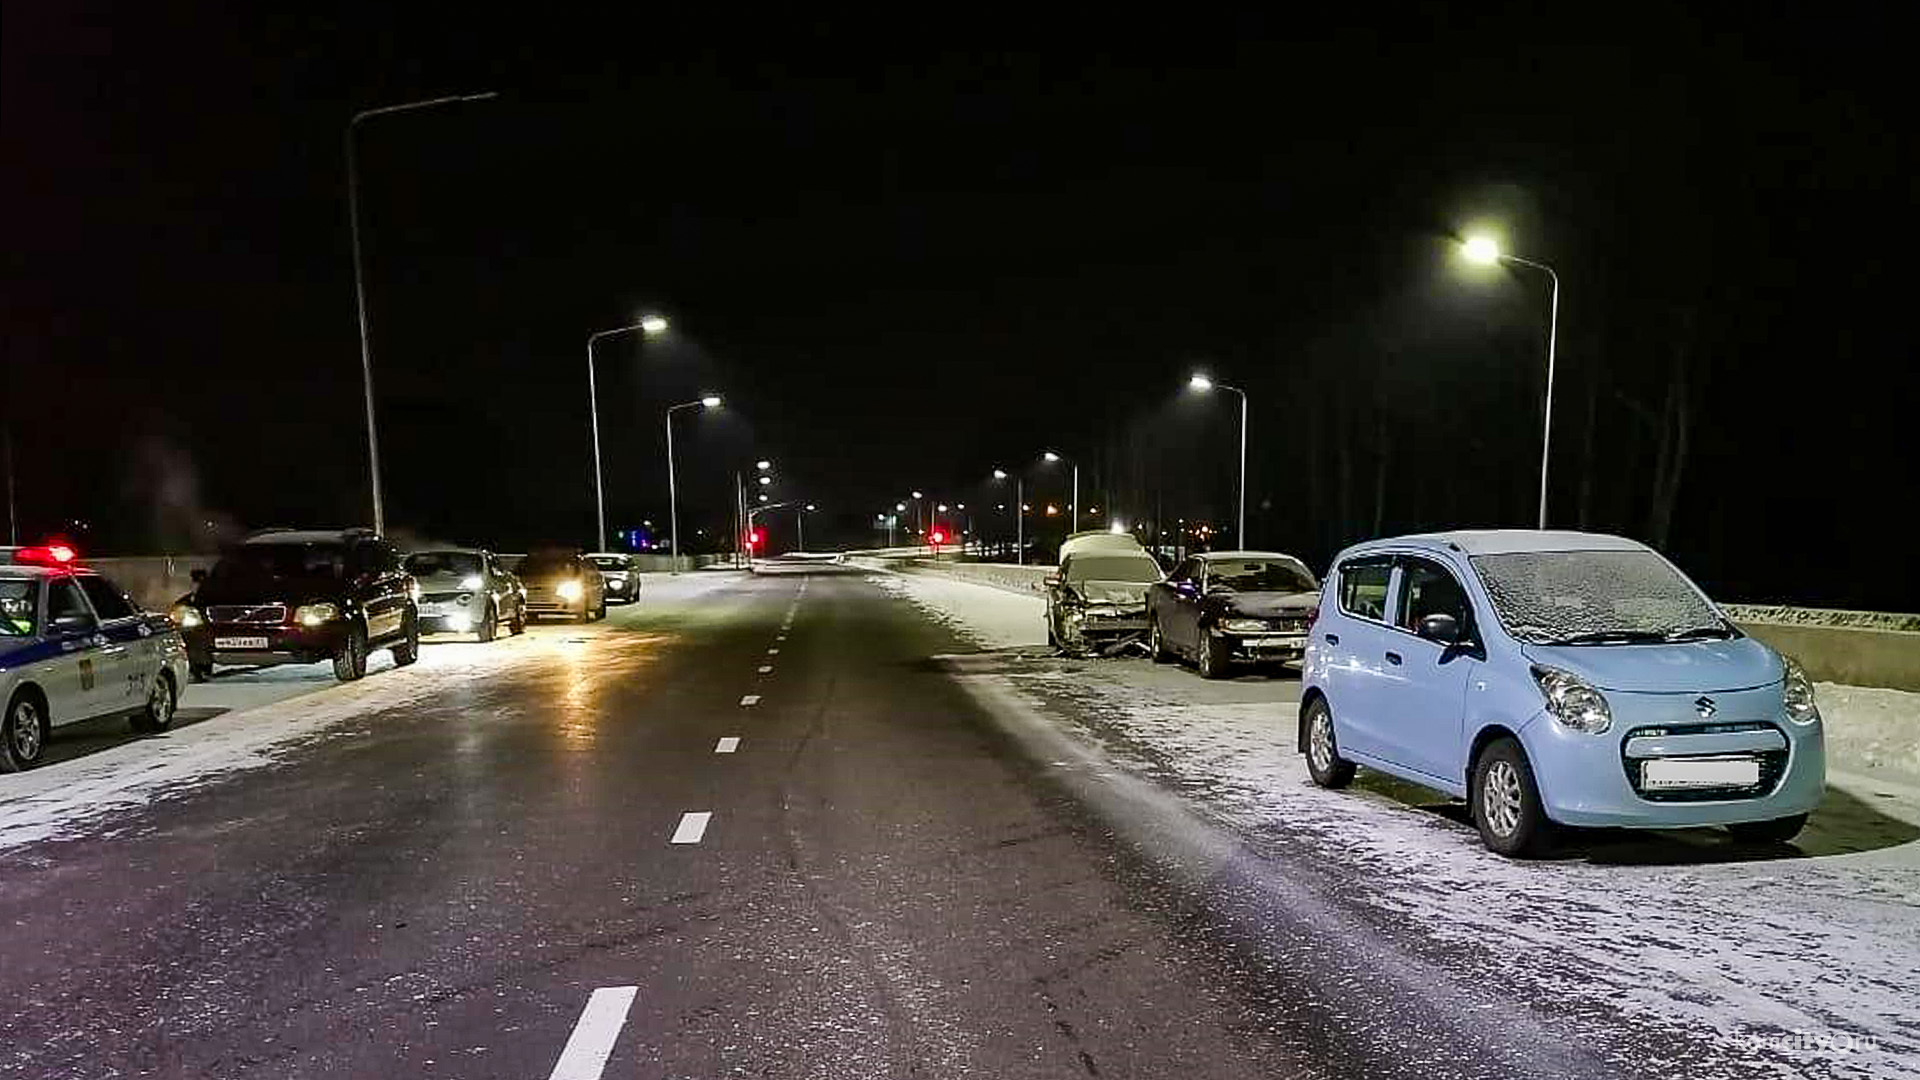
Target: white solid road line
{"points": [[727, 745], [764, 668], [693, 826], [585, 1055], [750, 700]]}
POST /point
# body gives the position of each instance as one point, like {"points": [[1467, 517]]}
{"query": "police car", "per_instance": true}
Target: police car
{"points": [[74, 647]]}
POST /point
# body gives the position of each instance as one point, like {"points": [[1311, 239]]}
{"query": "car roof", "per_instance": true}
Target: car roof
{"points": [[307, 536], [447, 551], [1209, 555], [1512, 541], [608, 555]]}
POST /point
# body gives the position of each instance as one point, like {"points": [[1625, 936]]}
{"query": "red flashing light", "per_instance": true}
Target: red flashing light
{"points": [[756, 537], [936, 537], [47, 555]]}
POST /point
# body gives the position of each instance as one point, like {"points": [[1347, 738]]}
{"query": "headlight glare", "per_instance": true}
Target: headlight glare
{"points": [[1572, 701], [1797, 694], [186, 616], [315, 614], [569, 590]]}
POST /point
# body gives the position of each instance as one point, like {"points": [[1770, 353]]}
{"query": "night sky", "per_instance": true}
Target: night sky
{"points": [[911, 249]]}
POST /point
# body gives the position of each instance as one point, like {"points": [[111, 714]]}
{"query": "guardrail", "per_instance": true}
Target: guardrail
{"points": [[1859, 648]]}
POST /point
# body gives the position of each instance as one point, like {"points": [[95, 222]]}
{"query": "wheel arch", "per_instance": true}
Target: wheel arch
{"points": [[1311, 695], [1488, 734], [33, 692]]}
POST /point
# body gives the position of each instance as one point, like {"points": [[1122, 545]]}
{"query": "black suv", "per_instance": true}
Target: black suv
{"points": [[298, 597]]}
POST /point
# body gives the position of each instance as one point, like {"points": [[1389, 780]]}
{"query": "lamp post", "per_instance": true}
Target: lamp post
{"points": [[1050, 456], [1204, 384], [800, 523], [1486, 251], [1019, 515], [705, 401], [360, 282], [651, 326]]}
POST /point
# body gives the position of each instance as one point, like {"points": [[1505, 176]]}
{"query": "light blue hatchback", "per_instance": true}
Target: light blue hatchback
{"points": [[1555, 677]]}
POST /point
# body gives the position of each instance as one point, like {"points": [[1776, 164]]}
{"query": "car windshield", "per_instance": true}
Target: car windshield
{"points": [[610, 562], [1137, 568], [272, 563], [450, 563], [1594, 597], [1259, 575], [16, 608], [542, 564]]}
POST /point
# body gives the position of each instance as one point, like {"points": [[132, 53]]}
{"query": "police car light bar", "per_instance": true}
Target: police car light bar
{"points": [[41, 555]]}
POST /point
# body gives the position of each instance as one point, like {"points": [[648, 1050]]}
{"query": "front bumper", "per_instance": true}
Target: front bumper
{"points": [[1265, 647], [452, 613], [255, 645], [1595, 780], [623, 590]]}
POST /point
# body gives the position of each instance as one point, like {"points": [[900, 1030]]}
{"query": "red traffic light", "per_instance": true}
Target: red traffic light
{"points": [[756, 537], [936, 537]]}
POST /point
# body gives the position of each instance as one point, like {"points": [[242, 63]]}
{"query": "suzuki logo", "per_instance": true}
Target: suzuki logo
{"points": [[1705, 707]]}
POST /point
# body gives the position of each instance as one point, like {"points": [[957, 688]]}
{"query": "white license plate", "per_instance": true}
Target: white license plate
{"points": [[1667, 774], [430, 610], [239, 643]]}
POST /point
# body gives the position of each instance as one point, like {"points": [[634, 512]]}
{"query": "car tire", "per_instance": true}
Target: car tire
{"points": [[200, 672], [407, 649], [23, 732], [1157, 644], [489, 625], [1505, 802], [519, 624], [1212, 662], [157, 715], [350, 661], [1776, 831], [1324, 763], [601, 612]]}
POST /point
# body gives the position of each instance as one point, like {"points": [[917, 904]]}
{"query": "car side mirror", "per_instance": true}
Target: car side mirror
{"points": [[75, 624], [1440, 627], [197, 575]]}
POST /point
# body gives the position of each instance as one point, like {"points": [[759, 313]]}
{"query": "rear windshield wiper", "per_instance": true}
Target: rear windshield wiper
{"points": [[1721, 631], [1609, 637]]}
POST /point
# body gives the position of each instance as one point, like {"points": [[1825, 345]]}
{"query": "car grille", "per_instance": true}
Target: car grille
{"points": [[443, 597], [1773, 765], [261, 614]]}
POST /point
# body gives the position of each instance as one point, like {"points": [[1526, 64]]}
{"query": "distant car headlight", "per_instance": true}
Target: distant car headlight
{"points": [[315, 614], [569, 590], [1797, 695], [186, 616], [1243, 626], [470, 583], [1572, 701]]}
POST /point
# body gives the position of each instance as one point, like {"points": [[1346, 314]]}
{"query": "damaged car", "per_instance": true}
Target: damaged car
{"points": [[1097, 602], [1226, 607]]}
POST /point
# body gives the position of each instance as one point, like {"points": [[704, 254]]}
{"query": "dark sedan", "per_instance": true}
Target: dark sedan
{"points": [[1227, 607]]}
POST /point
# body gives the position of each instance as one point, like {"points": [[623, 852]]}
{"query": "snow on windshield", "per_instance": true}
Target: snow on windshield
{"points": [[1136, 568], [1544, 596]]}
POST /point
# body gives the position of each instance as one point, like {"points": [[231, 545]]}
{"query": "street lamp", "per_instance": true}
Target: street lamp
{"points": [[1206, 385], [704, 401], [360, 282], [800, 523], [650, 326], [1051, 457], [1485, 251]]}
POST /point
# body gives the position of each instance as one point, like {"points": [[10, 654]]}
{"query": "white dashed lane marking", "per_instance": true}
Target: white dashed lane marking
{"points": [[773, 652], [727, 745], [764, 668], [750, 700], [585, 1055], [693, 826]]}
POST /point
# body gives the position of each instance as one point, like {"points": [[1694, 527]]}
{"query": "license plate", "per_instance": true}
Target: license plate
{"points": [[1669, 773], [239, 643], [430, 610]]}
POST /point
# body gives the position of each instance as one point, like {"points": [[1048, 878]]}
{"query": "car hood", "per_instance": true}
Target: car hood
{"points": [[442, 582], [1112, 592], [1688, 667], [1264, 605], [281, 591]]}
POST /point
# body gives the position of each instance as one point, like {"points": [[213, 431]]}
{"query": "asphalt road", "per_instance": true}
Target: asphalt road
{"points": [[896, 879]]}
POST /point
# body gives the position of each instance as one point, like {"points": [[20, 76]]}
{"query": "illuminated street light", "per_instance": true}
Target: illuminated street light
{"points": [[653, 325], [704, 401], [1484, 251], [649, 326], [766, 480], [763, 466], [1204, 384], [1050, 456], [711, 401], [999, 474]]}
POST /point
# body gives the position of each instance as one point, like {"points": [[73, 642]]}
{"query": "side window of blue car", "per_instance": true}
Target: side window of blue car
{"points": [[1427, 588], [1363, 588]]}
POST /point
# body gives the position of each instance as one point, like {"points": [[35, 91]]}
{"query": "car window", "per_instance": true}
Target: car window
{"points": [[107, 598], [1363, 588], [1554, 596], [452, 563], [1186, 571], [1259, 575], [270, 566], [64, 599], [1129, 568], [17, 602], [1427, 588]]}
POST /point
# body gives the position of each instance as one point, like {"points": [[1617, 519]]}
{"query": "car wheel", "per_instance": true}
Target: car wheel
{"points": [[1324, 762], [519, 623], [1213, 662], [1777, 831], [489, 625], [1505, 802], [158, 714], [350, 662], [408, 650], [199, 672], [23, 733], [1157, 643]]}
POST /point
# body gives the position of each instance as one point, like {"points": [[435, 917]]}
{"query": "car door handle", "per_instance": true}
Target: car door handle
{"points": [[1332, 639], [1393, 658]]}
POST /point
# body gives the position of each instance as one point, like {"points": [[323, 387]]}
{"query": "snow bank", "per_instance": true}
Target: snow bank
{"points": [[990, 617]]}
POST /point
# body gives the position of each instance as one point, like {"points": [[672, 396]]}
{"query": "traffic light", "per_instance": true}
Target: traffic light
{"points": [[937, 537]]}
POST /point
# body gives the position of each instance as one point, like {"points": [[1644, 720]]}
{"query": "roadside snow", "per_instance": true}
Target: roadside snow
{"points": [[1872, 731], [993, 618]]}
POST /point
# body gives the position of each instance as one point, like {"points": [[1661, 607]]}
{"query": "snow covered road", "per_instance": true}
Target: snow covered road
{"points": [[1783, 962]]}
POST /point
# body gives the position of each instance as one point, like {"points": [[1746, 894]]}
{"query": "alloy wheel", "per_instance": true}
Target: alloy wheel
{"points": [[159, 704], [1320, 741], [25, 731], [1500, 798]]}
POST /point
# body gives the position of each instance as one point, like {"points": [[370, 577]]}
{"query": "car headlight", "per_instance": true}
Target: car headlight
{"points": [[569, 590], [470, 583], [413, 590], [1572, 701], [315, 614], [1243, 626], [186, 616], [1797, 694]]}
